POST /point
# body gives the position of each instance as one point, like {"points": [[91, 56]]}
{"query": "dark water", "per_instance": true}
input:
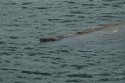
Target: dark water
{"points": [[98, 57]]}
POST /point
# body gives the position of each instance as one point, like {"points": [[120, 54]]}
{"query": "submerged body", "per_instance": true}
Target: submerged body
{"points": [[61, 36]]}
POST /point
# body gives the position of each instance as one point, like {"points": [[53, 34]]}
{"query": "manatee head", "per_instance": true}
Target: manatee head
{"points": [[52, 38], [47, 39]]}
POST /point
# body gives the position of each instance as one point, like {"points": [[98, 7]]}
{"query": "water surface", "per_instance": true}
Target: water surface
{"points": [[97, 57]]}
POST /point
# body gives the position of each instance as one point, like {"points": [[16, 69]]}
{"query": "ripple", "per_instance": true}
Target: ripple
{"points": [[1, 80], [11, 25], [104, 79], [12, 48], [28, 48], [18, 82], [41, 7], [53, 20], [78, 66], [109, 0], [6, 69], [37, 78], [116, 5], [69, 15], [74, 80], [104, 74], [88, 4], [4, 53], [21, 77], [54, 52], [68, 21], [81, 16], [122, 73], [77, 12], [13, 37], [37, 53], [80, 75], [106, 4], [57, 58], [111, 79], [24, 7], [10, 3], [33, 16], [70, 2], [26, 3], [66, 51], [36, 73], [2, 42], [85, 51]]}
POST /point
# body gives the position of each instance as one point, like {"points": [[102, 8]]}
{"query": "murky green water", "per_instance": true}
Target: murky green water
{"points": [[97, 57]]}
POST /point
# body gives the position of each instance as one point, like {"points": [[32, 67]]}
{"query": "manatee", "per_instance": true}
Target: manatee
{"points": [[62, 36]]}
